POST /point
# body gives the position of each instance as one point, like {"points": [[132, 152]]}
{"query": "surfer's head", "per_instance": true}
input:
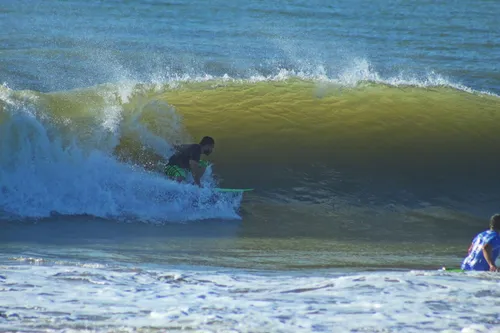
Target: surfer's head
{"points": [[495, 222], [207, 145]]}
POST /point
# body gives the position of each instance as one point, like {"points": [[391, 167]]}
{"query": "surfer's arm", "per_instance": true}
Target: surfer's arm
{"points": [[198, 170], [489, 259], [194, 164]]}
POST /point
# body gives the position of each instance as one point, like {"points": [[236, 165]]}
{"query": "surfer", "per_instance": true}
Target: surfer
{"points": [[485, 248], [187, 159]]}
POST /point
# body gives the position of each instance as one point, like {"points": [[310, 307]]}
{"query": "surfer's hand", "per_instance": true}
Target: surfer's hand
{"points": [[493, 268]]}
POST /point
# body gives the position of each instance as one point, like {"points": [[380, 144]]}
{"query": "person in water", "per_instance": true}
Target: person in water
{"points": [[187, 159], [485, 248]]}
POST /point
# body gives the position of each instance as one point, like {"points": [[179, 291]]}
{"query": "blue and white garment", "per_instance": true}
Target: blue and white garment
{"points": [[475, 260]]}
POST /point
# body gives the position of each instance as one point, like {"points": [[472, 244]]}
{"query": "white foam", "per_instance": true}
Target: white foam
{"points": [[110, 298], [355, 71], [42, 173]]}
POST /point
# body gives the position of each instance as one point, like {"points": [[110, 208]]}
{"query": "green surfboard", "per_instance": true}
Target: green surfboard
{"points": [[453, 270], [233, 190]]}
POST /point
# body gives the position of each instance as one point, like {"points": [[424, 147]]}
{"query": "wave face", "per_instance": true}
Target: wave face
{"points": [[292, 138]]}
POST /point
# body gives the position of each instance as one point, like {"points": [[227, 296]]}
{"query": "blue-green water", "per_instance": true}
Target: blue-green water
{"points": [[54, 45], [368, 130]]}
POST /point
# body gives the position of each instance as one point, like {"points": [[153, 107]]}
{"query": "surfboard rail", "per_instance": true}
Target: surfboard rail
{"points": [[233, 190]]}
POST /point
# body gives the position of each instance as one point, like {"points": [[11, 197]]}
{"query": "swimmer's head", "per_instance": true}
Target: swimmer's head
{"points": [[495, 222]]}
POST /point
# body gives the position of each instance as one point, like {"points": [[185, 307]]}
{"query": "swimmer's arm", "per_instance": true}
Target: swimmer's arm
{"points": [[198, 170], [488, 257]]}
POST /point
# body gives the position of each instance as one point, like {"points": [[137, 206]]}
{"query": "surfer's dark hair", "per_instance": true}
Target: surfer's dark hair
{"points": [[495, 222], [207, 140]]}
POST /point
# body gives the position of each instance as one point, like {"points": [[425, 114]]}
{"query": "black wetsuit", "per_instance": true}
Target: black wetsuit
{"points": [[185, 153]]}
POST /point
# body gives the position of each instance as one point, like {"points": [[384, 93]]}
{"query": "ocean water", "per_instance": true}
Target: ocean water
{"points": [[368, 130]]}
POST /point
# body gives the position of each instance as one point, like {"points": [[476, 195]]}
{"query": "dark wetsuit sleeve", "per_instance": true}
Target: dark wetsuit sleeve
{"points": [[195, 153]]}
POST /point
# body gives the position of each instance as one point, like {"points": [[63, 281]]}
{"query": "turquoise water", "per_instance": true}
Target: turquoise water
{"points": [[54, 45], [367, 130]]}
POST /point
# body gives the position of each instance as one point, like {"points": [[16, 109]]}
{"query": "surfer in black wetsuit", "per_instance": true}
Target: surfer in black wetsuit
{"points": [[187, 159]]}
